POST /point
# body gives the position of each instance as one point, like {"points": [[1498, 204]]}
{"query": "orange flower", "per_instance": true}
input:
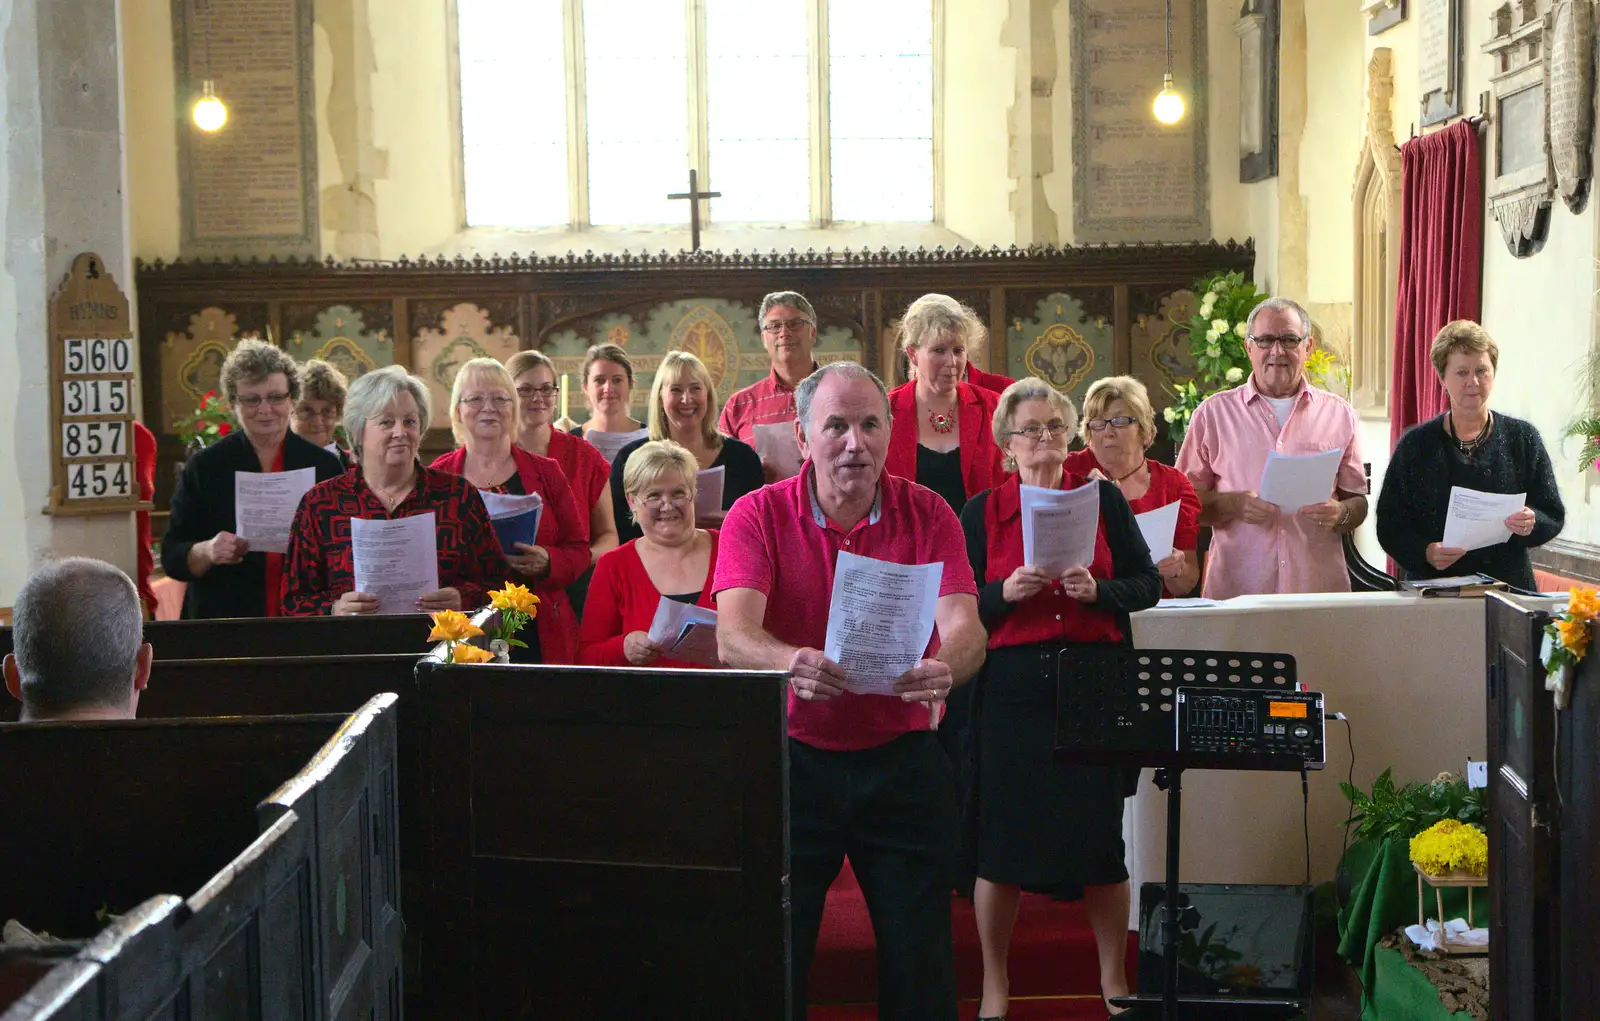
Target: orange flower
{"points": [[1574, 634], [452, 626], [464, 653], [1584, 603], [515, 597]]}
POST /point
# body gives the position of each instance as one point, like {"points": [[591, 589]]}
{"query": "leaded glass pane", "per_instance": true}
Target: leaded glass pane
{"points": [[881, 109], [758, 102]]}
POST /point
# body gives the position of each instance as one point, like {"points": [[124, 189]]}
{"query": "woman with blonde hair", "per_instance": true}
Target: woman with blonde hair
{"points": [[682, 400], [671, 559], [1119, 425], [940, 435], [483, 416]]}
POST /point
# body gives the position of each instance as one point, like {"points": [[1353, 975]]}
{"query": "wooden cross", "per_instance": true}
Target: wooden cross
{"points": [[694, 195]]}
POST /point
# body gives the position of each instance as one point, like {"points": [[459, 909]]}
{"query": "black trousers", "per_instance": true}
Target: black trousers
{"points": [[892, 810]]}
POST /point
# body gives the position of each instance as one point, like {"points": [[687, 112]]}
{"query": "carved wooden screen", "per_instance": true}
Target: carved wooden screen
{"points": [[1069, 315]]}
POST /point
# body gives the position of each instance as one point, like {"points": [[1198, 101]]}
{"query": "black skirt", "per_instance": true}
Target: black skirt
{"points": [[1039, 825]]}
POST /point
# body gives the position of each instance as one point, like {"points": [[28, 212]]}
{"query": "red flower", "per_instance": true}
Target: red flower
{"points": [[224, 429], [211, 393]]}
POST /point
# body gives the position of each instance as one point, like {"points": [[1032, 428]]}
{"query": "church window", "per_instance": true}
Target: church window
{"points": [[583, 113]]}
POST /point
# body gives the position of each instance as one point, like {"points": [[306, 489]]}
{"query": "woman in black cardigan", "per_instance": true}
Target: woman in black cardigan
{"points": [[225, 577], [1474, 448]]}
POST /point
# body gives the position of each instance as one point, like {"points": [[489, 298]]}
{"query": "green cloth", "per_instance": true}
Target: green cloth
{"points": [[1402, 993], [1383, 898]]}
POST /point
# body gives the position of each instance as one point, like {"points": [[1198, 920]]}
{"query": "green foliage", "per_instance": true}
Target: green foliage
{"points": [[207, 423], [1403, 812], [1588, 429], [1216, 333]]}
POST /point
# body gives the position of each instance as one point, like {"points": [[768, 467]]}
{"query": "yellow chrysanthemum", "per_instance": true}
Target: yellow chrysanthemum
{"points": [[452, 626], [515, 597], [1584, 603], [464, 653], [1450, 844], [1574, 634]]}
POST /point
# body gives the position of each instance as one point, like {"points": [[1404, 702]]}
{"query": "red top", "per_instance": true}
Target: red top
{"points": [[777, 541], [991, 381], [584, 466], [623, 599], [1166, 485], [1051, 615], [980, 459], [563, 532], [322, 565], [144, 467], [770, 400]]}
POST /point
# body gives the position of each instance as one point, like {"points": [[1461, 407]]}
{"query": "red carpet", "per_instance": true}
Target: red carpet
{"points": [[1052, 957]]}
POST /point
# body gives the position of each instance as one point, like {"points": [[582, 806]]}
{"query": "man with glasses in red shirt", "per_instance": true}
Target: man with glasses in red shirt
{"points": [[867, 776], [1258, 547], [788, 332]]}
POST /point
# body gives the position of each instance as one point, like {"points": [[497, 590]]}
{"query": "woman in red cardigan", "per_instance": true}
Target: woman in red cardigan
{"points": [[672, 560], [1119, 425], [940, 435], [483, 416]]}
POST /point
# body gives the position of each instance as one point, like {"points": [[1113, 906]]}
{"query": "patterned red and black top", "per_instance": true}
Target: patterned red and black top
{"points": [[322, 567]]}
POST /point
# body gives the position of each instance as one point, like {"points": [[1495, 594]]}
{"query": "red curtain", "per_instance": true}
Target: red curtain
{"points": [[1441, 263]]}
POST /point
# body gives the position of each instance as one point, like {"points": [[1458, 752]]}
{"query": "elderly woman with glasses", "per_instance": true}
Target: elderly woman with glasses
{"points": [[483, 416], [224, 576], [671, 559], [1040, 825], [316, 416], [1118, 427], [940, 432], [682, 397]]}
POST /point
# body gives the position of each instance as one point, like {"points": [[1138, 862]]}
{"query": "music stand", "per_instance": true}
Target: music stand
{"points": [[1119, 707]]}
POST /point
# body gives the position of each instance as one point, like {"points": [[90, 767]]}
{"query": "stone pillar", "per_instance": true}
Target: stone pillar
{"points": [[62, 163], [1030, 29], [350, 206]]}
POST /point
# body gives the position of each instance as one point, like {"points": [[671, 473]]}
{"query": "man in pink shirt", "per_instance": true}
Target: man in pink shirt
{"points": [[867, 775], [789, 332], [1258, 547]]}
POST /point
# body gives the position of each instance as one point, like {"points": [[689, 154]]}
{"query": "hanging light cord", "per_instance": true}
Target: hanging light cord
{"points": [[1169, 38]]}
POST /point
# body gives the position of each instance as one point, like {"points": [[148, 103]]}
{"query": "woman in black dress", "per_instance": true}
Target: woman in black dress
{"points": [[1043, 826], [1474, 448]]}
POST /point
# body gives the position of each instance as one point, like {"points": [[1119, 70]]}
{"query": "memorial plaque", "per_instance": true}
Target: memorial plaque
{"points": [[1569, 86], [1439, 47], [1519, 188], [1135, 179], [250, 188]]}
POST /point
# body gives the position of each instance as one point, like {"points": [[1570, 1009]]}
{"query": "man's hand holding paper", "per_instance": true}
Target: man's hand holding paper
{"points": [[1293, 481], [880, 618]]}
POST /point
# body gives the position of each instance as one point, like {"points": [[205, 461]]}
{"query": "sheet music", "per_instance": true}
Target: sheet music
{"points": [[1477, 519], [396, 560], [1293, 481], [1058, 527], [685, 631], [1159, 527], [611, 444], [708, 490], [776, 443], [880, 618], [264, 505]]}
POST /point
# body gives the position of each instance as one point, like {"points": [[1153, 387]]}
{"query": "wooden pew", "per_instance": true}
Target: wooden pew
{"points": [[153, 805], [242, 637], [606, 843]]}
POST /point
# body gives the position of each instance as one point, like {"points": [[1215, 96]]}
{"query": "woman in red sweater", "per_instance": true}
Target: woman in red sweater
{"points": [[672, 560]]}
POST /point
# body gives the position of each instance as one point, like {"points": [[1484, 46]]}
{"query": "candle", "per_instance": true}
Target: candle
{"points": [[563, 395]]}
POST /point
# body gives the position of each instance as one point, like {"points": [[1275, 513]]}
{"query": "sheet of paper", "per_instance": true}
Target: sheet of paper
{"points": [[708, 490], [515, 517], [1159, 527], [264, 504], [609, 444], [777, 446], [1058, 527], [1477, 519], [880, 618], [685, 632], [1179, 604], [397, 561], [1293, 481]]}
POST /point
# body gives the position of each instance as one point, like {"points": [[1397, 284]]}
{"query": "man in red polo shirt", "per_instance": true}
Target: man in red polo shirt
{"points": [[789, 332], [867, 776]]}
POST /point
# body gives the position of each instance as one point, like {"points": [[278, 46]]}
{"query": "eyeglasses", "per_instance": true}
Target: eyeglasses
{"points": [[1039, 433], [655, 500], [1286, 342], [253, 401], [306, 414], [476, 401], [546, 392], [1098, 425], [780, 325]]}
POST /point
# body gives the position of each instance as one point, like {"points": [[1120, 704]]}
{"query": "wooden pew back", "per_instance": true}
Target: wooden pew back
{"points": [[244, 637], [606, 843]]}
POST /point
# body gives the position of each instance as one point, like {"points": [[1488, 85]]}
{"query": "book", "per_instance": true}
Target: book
{"points": [[1458, 585]]}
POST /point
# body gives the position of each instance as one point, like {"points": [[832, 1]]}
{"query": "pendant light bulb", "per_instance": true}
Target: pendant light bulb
{"points": [[1169, 106], [209, 113]]}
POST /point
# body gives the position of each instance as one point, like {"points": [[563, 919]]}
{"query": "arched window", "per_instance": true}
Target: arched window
{"points": [[1377, 206]]}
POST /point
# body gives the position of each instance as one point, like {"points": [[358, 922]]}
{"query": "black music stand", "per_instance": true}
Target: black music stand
{"points": [[1119, 707]]}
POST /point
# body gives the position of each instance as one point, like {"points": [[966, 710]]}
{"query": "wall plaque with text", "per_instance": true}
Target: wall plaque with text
{"points": [[1439, 48]]}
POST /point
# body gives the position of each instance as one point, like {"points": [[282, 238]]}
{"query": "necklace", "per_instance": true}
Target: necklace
{"points": [[1470, 447], [942, 423], [1119, 480]]}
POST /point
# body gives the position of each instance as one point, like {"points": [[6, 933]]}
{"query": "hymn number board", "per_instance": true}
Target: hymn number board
{"points": [[91, 395]]}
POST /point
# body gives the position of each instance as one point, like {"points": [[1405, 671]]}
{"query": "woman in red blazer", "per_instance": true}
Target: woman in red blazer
{"points": [[941, 435], [483, 416], [672, 560]]}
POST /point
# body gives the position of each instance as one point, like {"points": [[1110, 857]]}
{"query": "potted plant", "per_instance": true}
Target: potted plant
{"points": [[1216, 340]]}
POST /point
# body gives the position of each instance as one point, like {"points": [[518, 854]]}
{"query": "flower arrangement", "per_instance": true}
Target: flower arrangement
{"points": [[454, 628], [1326, 372], [1571, 629], [517, 607], [1450, 845], [208, 422], [1217, 330], [1403, 812]]}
